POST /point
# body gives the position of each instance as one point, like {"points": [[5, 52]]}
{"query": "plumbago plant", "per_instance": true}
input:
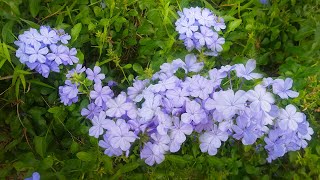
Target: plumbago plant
{"points": [[182, 99], [115, 42]]}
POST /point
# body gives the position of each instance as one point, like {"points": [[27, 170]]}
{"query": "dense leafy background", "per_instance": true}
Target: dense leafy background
{"points": [[133, 37]]}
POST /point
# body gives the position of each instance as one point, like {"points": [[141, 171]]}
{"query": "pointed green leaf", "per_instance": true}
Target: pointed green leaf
{"points": [[75, 31], [34, 7], [234, 24], [40, 145]]}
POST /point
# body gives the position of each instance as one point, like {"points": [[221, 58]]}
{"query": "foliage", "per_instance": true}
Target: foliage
{"points": [[129, 38]]}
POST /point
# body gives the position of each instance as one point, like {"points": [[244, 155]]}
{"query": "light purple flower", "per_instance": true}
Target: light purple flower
{"points": [[35, 176], [219, 24], [37, 53], [227, 102], [118, 106], [245, 130], [99, 123], [109, 150], [200, 87], [93, 110], [150, 107], [210, 141], [68, 93], [194, 113], [177, 96], [48, 36], [246, 71], [217, 43], [63, 37], [191, 64], [206, 18], [260, 98], [282, 88], [30, 37], [119, 135], [205, 36], [151, 155], [58, 53], [180, 130], [101, 94], [135, 92], [289, 118], [160, 142], [94, 75]]}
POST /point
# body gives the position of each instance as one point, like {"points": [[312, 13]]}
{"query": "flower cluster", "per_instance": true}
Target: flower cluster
{"points": [[199, 28], [167, 108], [44, 50]]}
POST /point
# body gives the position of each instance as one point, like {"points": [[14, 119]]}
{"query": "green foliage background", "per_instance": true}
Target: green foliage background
{"points": [[134, 37]]}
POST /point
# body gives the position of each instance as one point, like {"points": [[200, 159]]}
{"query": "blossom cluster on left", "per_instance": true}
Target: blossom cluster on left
{"points": [[45, 49]]}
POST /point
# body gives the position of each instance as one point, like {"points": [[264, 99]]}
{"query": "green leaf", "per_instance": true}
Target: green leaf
{"points": [[75, 31], [30, 23], [127, 66], [137, 68], [7, 34], [234, 24], [6, 52], [33, 81], [23, 81], [176, 159], [40, 145], [129, 167], [46, 163], [118, 23], [85, 156], [34, 7]]}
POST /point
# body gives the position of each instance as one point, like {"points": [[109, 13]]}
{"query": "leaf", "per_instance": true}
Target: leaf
{"points": [[7, 34], [40, 83], [118, 23], [129, 167], [30, 23], [6, 52], [40, 145], [85, 156], [34, 7], [127, 66], [137, 68], [23, 81], [75, 31], [176, 159], [234, 24]]}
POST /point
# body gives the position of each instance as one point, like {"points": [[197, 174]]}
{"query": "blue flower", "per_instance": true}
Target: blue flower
{"points": [[119, 135], [48, 35], [101, 94], [289, 118], [194, 113], [151, 155], [246, 71], [260, 98], [68, 93], [58, 54], [99, 123], [210, 141], [282, 88], [37, 53], [119, 106], [93, 110], [109, 150], [94, 75], [35, 176]]}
